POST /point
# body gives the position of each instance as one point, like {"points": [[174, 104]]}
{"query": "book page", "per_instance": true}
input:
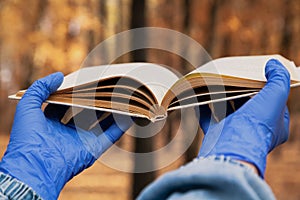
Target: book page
{"points": [[208, 101], [156, 77], [248, 67]]}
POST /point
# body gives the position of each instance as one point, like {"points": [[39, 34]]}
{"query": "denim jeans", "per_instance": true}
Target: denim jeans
{"points": [[11, 188], [209, 178]]}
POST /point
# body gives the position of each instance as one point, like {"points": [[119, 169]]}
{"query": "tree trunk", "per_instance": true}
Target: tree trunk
{"points": [[140, 180]]}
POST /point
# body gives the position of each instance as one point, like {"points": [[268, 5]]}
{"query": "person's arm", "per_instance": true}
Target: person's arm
{"points": [[43, 154], [232, 159], [256, 127], [215, 177]]}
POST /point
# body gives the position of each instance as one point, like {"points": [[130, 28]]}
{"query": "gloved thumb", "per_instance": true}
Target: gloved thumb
{"points": [[40, 90], [273, 97], [277, 76]]}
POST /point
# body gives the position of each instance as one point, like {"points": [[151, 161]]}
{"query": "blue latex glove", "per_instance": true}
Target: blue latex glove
{"points": [[255, 128], [45, 154]]}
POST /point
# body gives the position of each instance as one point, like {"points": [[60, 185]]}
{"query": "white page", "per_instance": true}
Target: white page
{"points": [[156, 77], [89, 107], [212, 101], [250, 67]]}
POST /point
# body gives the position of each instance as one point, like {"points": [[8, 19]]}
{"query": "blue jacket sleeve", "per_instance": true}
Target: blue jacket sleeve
{"points": [[209, 178]]}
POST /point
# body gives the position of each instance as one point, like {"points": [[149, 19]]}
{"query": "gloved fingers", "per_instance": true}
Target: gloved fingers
{"points": [[271, 100], [84, 119], [102, 125], [281, 130], [55, 111], [98, 143], [229, 108], [222, 109], [206, 118], [121, 124], [40, 90], [286, 123], [240, 102], [113, 126]]}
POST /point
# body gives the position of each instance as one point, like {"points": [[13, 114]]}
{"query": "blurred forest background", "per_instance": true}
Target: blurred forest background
{"points": [[38, 37]]}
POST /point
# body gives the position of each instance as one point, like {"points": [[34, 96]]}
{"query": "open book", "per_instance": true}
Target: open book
{"points": [[150, 90]]}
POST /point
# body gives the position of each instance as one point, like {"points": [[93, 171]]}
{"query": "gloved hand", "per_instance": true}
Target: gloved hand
{"points": [[44, 153], [256, 127]]}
